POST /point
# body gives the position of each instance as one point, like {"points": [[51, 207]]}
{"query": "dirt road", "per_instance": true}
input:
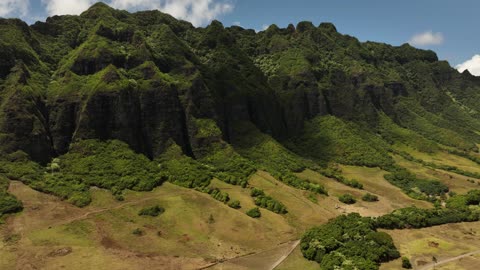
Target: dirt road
{"points": [[263, 260], [444, 261]]}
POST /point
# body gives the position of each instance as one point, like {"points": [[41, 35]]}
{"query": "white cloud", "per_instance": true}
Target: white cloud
{"points": [[14, 7], [198, 12], [63, 7], [473, 65], [237, 23], [427, 38]]}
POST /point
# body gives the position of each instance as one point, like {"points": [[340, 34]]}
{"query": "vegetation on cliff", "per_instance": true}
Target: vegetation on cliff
{"points": [[125, 100]]}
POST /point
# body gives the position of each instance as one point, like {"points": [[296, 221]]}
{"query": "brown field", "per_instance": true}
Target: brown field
{"points": [[443, 242], [52, 234], [390, 197]]}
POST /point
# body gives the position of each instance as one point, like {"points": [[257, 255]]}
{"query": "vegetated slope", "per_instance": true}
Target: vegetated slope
{"points": [[146, 78], [286, 99], [125, 100]]}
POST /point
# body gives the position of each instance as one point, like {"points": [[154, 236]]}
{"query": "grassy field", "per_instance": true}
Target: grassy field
{"points": [[443, 158], [456, 182], [390, 196], [443, 242], [467, 263], [196, 230]]}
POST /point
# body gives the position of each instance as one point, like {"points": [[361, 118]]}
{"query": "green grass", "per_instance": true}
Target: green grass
{"points": [[79, 233]]}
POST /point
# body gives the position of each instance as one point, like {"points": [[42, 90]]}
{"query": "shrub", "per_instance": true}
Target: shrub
{"points": [[347, 199], [9, 204], [406, 263], [255, 192], [138, 232], [216, 193], [153, 211], [271, 204], [235, 204], [370, 198], [254, 212]]}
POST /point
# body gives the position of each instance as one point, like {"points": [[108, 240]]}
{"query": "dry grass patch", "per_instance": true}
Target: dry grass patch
{"points": [[297, 261], [443, 242], [456, 182]]}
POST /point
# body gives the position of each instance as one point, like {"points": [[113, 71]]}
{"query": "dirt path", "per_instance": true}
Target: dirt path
{"points": [[432, 265], [281, 259], [262, 260], [103, 210]]}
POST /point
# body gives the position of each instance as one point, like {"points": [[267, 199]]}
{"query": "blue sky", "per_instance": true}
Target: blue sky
{"points": [[451, 28]]}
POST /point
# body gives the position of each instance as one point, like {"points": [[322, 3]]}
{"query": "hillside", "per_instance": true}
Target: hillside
{"points": [[275, 124]]}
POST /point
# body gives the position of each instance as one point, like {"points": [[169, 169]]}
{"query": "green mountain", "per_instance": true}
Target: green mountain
{"points": [[127, 101]]}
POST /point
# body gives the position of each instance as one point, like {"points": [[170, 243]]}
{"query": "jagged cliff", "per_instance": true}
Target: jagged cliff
{"points": [[146, 79]]}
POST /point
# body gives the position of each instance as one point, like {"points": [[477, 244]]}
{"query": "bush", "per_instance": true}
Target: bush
{"points": [[370, 198], [255, 192], [271, 204], [347, 199], [216, 193], [153, 211], [406, 263], [8, 202], [254, 213], [235, 204], [138, 232]]}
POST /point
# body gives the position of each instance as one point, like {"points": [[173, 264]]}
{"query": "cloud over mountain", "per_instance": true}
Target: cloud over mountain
{"points": [[472, 65], [426, 39]]}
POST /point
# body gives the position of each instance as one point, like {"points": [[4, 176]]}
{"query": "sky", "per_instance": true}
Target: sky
{"points": [[449, 27]]}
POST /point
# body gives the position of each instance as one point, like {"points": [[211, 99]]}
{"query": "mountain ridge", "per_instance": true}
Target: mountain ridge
{"points": [[280, 130]]}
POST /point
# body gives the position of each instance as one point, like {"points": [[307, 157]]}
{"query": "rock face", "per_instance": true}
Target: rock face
{"points": [[146, 120], [147, 79]]}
